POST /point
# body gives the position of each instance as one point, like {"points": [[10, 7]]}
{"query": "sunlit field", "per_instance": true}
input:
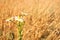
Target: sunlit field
{"points": [[29, 19]]}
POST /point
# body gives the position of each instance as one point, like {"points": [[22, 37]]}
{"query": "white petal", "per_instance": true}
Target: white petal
{"points": [[7, 20], [16, 18]]}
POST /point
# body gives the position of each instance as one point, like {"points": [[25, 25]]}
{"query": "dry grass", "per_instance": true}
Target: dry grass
{"points": [[42, 22]]}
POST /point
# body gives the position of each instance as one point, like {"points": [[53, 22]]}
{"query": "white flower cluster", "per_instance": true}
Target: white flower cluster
{"points": [[16, 18]]}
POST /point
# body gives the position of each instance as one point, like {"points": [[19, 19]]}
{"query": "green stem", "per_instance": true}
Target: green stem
{"points": [[20, 28]]}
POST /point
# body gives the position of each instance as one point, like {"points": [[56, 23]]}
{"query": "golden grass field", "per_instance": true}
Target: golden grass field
{"points": [[41, 23]]}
